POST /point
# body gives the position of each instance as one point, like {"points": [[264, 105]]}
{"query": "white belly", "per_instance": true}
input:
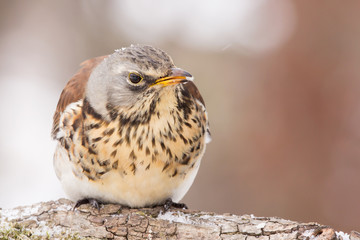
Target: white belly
{"points": [[145, 188]]}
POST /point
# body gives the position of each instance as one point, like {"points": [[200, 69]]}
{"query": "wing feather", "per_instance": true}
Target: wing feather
{"points": [[192, 89], [74, 90]]}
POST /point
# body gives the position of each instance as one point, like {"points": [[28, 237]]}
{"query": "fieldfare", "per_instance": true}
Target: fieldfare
{"points": [[131, 129]]}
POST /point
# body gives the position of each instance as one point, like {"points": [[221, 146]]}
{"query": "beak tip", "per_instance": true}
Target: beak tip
{"points": [[176, 76]]}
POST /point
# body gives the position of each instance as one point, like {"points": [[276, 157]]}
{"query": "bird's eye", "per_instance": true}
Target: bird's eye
{"points": [[135, 78]]}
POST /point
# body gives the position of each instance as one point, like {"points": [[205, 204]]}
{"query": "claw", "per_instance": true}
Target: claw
{"points": [[169, 203], [91, 201]]}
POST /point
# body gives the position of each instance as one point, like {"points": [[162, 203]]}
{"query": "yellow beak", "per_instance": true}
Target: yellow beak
{"points": [[176, 76]]}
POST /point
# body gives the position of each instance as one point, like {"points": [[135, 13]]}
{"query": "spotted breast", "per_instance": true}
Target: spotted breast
{"points": [[131, 129]]}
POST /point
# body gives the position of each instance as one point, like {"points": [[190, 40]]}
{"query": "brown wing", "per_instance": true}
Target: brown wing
{"points": [[190, 86], [74, 90]]}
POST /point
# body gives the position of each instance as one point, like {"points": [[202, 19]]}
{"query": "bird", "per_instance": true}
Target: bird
{"points": [[131, 129]]}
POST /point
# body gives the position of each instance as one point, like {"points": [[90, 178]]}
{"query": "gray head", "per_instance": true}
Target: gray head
{"points": [[123, 77]]}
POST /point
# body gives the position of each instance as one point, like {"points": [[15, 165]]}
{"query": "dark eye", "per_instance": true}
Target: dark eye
{"points": [[135, 78]]}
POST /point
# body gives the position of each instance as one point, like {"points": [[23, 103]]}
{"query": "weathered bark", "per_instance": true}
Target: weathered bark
{"points": [[58, 220]]}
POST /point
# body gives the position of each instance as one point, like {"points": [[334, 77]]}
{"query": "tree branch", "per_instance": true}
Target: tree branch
{"points": [[57, 219]]}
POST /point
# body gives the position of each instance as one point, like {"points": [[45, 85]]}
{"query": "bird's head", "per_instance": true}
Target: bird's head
{"points": [[124, 77]]}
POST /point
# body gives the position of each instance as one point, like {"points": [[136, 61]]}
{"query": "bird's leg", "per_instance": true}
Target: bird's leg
{"points": [[169, 203], [93, 202]]}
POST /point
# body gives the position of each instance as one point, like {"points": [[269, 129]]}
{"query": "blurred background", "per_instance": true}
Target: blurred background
{"points": [[281, 81]]}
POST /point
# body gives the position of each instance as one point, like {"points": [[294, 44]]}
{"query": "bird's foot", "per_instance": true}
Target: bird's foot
{"points": [[169, 203], [93, 202]]}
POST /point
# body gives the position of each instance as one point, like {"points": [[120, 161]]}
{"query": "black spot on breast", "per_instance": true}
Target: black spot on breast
{"points": [[66, 145], [188, 124], [153, 141], [118, 142], [196, 138], [168, 152], [147, 167], [147, 151], [76, 124], [127, 137], [115, 164], [120, 131], [65, 121], [135, 131], [185, 159], [123, 120], [170, 128], [198, 146], [133, 168], [147, 133], [92, 151], [198, 121], [164, 135], [140, 144], [61, 140], [132, 156], [84, 140], [180, 130], [85, 169], [183, 138], [179, 118], [113, 154], [167, 164], [100, 173], [71, 135], [108, 132], [113, 115], [90, 177], [103, 163], [94, 125], [96, 139], [175, 172], [162, 146]]}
